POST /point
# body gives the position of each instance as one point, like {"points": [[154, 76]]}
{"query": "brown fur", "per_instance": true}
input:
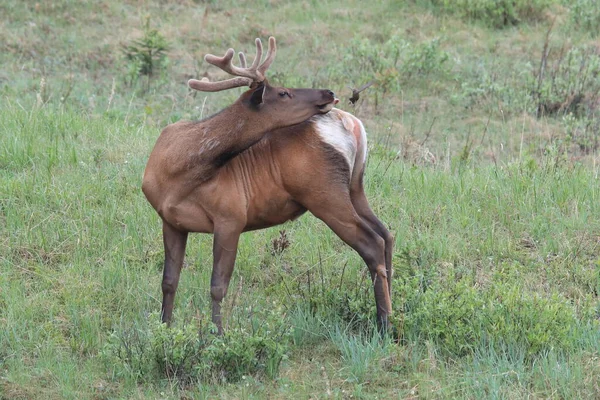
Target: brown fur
{"points": [[258, 163], [288, 171]]}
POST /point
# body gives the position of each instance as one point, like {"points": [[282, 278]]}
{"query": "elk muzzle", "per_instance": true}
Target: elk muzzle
{"points": [[329, 101]]}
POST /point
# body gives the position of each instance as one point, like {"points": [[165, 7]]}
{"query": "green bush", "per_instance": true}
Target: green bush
{"points": [[187, 354], [569, 83], [391, 64], [585, 14], [177, 351], [496, 13], [128, 353], [236, 354], [489, 89], [353, 305], [583, 132], [147, 55], [461, 317], [361, 353]]}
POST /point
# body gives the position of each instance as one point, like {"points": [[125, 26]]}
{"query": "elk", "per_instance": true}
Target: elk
{"points": [[267, 158]]}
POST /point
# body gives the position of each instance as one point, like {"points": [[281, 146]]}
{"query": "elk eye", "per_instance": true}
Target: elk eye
{"points": [[283, 94]]}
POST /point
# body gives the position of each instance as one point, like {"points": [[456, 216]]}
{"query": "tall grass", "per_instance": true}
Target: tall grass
{"points": [[481, 251]]}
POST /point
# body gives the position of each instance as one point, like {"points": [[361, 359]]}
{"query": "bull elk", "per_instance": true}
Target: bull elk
{"points": [[266, 159]]}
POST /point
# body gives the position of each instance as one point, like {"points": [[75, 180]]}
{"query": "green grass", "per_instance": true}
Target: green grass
{"points": [[494, 209]]}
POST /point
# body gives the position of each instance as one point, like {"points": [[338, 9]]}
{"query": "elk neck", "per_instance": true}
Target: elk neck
{"points": [[233, 130]]}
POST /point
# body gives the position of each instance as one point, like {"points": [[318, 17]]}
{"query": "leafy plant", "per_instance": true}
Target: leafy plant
{"points": [[186, 353], [390, 64], [496, 13], [237, 354], [425, 58], [146, 55], [582, 132], [176, 351], [569, 82], [585, 14], [564, 82], [459, 317]]}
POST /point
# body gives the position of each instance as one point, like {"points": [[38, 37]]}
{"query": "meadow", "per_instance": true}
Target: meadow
{"points": [[483, 161]]}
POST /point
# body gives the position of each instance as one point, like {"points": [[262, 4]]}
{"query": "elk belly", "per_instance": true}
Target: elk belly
{"points": [[272, 211]]}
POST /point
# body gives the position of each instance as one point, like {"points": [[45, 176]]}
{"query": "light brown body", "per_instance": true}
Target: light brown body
{"points": [[262, 187], [289, 171], [259, 163]]}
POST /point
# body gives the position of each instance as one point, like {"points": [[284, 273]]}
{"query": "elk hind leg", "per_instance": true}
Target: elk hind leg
{"points": [[361, 205], [343, 219]]}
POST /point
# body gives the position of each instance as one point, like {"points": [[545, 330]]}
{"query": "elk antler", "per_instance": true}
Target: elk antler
{"points": [[244, 76]]}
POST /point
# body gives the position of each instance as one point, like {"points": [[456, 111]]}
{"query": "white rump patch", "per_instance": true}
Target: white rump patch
{"points": [[363, 139], [332, 131]]}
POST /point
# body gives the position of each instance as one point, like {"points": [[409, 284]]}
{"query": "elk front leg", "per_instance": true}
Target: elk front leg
{"points": [[224, 253], [174, 242]]}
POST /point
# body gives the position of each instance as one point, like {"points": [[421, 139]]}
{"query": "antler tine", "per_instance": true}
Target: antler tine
{"points": [[225, 63], [270, 56], [242, 59], [205, 85], [259, 51], [244, 75]]}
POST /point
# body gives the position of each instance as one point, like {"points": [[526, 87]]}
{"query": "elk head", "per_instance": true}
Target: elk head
{"points": [[277, 106]]}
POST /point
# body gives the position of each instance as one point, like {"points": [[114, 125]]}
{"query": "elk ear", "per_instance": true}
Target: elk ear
{"points": [[256, 99]]}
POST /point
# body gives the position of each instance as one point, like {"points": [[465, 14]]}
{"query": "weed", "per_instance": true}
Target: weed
{"points": [[361, 352], [280, 244], [425, 59], [307, 327], [583, 132], [565, 82]]}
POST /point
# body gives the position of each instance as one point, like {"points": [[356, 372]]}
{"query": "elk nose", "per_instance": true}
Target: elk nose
{"points": [[329, 92]]}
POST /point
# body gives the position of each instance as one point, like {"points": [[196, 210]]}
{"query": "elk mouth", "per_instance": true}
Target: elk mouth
{"points": [[325, 108]]}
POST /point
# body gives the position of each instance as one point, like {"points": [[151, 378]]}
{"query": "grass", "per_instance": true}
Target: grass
{"points": [[494, 209]]}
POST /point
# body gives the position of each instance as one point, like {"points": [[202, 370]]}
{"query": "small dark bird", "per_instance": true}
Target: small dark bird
{"points": [[355, 92]]}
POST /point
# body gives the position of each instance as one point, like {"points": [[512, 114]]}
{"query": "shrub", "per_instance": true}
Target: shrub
{"points": [[236, 354], [496, 13], [351, 304], [569, 83], [389, 64], [307, 327], [585, 14], [128, 353], [461, 318], [186, 353], [584, 132], [494, 90], [566, 84], [176, 351], [147, 55]]}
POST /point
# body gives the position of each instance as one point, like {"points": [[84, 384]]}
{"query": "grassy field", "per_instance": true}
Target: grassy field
{"points": [[483, 134]]}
